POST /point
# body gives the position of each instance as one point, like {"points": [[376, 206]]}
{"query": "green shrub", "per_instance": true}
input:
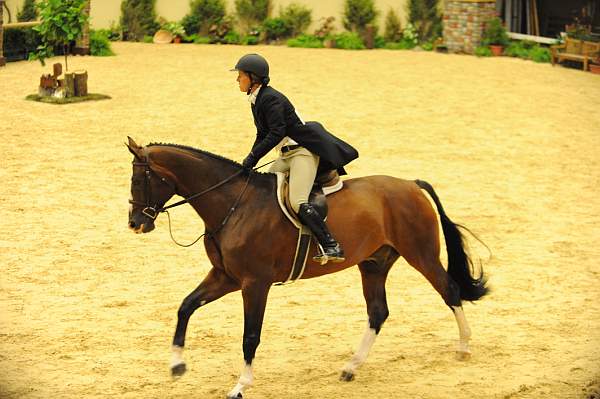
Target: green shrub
{"points": [[495, 33], [326, 28], [138, 19], [100, 44], [427, 46], [483, 51], [410, 37], [203, 14], [297, 17], [19, 42], [517, 49], [202, 40], [307, 41], [219, 30], [393, 27], [379, 42], [401, 45], [358, 14], [232, 37], [276, 28], [114, 32], [252, 12], [249, 40], [540, 54], [426, 18], [148, 39], [28, 12], [349, 41]]}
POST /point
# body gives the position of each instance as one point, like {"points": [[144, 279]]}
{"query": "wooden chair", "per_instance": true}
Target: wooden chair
{"points": [[575, 50]]}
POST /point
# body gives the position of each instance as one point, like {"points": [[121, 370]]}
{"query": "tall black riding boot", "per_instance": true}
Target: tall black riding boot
{"points": [[311, 218]]}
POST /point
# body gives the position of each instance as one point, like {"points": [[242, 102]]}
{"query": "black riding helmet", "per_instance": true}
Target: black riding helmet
{"points": [[254, 64]]}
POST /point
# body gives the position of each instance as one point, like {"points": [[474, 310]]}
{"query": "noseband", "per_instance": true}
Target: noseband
{"points": [[149, 210]]}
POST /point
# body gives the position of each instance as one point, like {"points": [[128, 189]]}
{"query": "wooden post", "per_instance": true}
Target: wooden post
{"points": [[81, 88], [2, 60], [69, 85], [82, 47]]}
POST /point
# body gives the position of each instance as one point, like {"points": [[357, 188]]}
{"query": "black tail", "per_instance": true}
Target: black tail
{"points": [[460, 266]]}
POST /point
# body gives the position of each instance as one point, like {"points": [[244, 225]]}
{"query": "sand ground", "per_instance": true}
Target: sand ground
{"points": [[88, 309]]}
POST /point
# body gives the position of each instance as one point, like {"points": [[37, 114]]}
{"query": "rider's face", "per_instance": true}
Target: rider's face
{"points": [[244, 81]]}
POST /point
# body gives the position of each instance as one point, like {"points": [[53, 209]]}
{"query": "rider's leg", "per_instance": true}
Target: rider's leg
{"points": [[303, 169]]}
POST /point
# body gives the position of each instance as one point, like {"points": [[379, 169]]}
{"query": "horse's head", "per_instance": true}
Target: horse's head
{"points": [[149, 191]]}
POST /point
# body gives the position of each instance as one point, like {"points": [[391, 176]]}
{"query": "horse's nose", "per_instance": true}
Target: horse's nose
{"points": [[132, 224]]}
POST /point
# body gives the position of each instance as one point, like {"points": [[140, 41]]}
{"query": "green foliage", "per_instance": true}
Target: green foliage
{"points": [[410, 37], [427, 46], [401, 45], [62, 23], [393, 27], [28, 12], [19, 42], [249, 40], [203, 14], [426, 18], [297, 17], [100, 43], [540, 54], [379, 42], [483, 51], [495, 33], [232, 37], [219, 30], [528, 50], [307, 41], [358, 14], [138, 19], [349, 41], [253, 12], [202, 40], [174, 28], [114, 32], [326, 28], [276, 28], [148, 39]]}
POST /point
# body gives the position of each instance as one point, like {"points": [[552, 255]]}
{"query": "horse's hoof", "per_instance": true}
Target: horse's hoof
{"points": [[347, 376], [463, 356], [178, 370]]}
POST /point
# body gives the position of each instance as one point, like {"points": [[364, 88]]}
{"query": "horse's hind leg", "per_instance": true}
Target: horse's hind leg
{"points": [[214, 286], [374, 272], [431, 267]]}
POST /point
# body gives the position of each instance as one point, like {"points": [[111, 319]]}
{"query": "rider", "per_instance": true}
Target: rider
{"points": [[303, 147]]}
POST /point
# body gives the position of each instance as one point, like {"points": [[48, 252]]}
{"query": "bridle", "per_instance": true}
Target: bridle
{"points": [[153, 210]]}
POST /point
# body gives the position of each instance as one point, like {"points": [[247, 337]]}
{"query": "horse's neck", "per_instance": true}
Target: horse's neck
{"points": [[196, 173]]}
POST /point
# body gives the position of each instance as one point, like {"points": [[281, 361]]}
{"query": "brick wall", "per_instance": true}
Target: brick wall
{"points": [[464, 23]]}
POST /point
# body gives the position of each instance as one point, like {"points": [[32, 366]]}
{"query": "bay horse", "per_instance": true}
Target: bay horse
{"points": [[251, 244]]}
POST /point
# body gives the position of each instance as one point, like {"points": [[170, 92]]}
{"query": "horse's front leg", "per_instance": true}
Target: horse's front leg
{"points": [[214, 286], [255, 295]]}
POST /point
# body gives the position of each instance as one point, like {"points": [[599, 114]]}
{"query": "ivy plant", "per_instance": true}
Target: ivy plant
{"points": [[62, 22]]}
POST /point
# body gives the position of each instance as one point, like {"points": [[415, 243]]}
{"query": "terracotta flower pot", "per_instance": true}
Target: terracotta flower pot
{"points": [[497, 50], [177, 39], [594, 68]]}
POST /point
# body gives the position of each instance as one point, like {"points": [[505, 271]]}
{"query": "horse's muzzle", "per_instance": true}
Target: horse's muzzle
{"points": [[140, 228]]}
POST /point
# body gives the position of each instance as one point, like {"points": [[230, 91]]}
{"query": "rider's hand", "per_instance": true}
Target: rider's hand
{"points": [[249, 162]]}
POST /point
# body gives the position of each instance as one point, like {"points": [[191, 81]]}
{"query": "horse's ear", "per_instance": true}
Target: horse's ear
{"points": [[135, 149]]}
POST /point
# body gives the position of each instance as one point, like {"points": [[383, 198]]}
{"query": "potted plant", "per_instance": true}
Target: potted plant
{"points": [[176, 30], [595, 64], [495, 36]]}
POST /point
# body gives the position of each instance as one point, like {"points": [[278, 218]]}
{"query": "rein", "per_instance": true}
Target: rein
{"points": [[152, 212]]}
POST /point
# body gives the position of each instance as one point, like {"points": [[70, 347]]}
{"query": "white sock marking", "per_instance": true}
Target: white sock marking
{"points": [[245, 381], [464, 331], [177, 357], [361, 354]]}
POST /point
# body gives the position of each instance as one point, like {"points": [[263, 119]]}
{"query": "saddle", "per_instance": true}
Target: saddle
{"points": [[325, 183]]}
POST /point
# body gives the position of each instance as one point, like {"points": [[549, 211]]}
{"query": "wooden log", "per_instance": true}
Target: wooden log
{"points": [[82, 47], [81, 88], [57, 70], [69, 85], [2, 60]]}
